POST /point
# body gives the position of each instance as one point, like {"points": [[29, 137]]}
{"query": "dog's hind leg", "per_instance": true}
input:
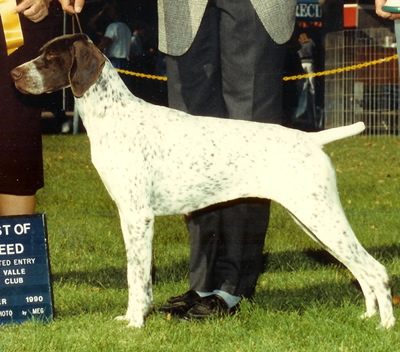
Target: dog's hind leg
{"points": [[332, 230], [137, 229]]}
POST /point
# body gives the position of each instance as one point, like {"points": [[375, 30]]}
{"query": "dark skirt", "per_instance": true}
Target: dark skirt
{"points": [[21, 162]]}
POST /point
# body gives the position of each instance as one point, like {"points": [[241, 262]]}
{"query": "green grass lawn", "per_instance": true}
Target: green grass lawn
{"points": [[305, 301]]}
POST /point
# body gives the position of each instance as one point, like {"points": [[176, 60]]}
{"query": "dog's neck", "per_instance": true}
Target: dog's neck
{"points": [[110, 81], [109, 85], [109, 90]]}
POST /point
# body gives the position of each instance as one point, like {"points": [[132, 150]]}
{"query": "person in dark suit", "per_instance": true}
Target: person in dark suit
{"points": [[225, 59]]}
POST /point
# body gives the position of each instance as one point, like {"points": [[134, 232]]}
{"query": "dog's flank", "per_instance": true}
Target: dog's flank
{"points": [[158, 161]]}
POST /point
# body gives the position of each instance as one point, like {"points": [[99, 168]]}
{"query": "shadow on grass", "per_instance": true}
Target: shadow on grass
{"points": [[110, 277], [300, 299], [296, 299], [312, 259], [273, 262]]}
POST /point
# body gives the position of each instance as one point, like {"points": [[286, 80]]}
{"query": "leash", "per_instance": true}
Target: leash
{"points": [[78, 22]]}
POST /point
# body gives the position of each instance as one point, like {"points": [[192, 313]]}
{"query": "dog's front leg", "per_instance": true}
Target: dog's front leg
{"points": [[138, 237]]}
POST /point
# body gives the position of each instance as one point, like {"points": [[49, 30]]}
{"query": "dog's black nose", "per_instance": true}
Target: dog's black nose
{"points": [[16, 74]]}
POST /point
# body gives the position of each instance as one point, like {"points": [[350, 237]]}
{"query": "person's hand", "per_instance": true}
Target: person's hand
{"points": [[388, 15], [72, 6], [34, 10]]}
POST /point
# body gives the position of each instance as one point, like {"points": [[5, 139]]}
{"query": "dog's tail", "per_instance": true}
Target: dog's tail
{"points": [[334, 134]]}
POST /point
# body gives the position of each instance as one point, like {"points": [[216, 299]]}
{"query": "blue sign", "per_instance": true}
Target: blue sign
{"points": [[308, 11], [25, 287]]}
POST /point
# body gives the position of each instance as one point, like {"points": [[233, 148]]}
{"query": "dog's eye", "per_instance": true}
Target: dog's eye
{"points": [[50, 56]]}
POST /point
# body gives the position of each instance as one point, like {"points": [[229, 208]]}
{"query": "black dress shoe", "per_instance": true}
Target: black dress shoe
{"points": [[180, 305], [208, 306]]}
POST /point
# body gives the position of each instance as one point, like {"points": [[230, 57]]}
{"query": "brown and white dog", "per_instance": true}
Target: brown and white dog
{"points": [[158, 161]]}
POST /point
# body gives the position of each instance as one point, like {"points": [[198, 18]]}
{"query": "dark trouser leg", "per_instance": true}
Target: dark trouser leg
{"points": [[252, 65], [252, 71], [227, 243], [194, 79]]}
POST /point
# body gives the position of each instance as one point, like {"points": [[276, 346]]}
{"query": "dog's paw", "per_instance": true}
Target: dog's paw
{"points": [[389, 323], [122, 318], [367, 315], [131, 322]]}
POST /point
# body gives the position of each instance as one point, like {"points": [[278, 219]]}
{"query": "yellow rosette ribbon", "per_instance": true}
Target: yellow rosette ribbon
{"points": [[11, 25]]}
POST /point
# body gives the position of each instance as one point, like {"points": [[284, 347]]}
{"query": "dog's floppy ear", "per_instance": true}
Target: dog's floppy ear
{"points": [[87, 63]]}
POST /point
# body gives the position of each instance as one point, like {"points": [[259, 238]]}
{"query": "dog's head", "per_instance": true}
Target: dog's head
{"points": [[70, 60]]}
